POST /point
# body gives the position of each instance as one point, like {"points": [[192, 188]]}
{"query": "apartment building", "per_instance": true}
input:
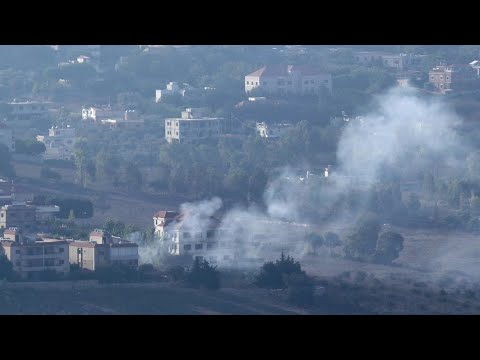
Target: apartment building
{"points": [[28, 110], [31, 257], [17, 215], [101, 250], [192, 126], [288, 79]]}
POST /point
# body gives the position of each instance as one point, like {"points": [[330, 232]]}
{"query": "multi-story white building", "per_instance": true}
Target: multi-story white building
{"points": [[59, 143], [272, 130], [30, 257], [291, 79], [6, 137], [192, 126], [28, 110], [184, 237]]}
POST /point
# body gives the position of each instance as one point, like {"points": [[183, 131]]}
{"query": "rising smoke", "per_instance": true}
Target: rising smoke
{"points": [[401, 136]]}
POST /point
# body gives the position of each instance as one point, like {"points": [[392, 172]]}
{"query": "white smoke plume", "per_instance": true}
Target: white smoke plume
{"points": [[403, 132]]}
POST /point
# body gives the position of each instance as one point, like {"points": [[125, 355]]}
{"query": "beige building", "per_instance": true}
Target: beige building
{"points": [[192, 126], [447, 78], [291, 79], [102, 249], [17, 215], [32, 257], [59, 143], [184, 237]]}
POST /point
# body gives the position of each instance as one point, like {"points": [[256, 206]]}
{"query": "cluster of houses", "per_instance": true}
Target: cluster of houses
{"points": [[32, 255], [105, 115]]}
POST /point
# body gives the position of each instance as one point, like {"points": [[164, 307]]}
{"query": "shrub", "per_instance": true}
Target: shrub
{"points": [[203, 275], [272, 273], [6, 267], [300, 289], [116, 274], [176, 273]]}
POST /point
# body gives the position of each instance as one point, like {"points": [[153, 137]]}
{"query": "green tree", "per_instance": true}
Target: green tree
{"points": [[6, 166], [6, 267], [133, 177], [362, 240], [272, 274], [473, 165], [389, 246], [314, 241], [300, 289], [413, 203], [203, 275]]}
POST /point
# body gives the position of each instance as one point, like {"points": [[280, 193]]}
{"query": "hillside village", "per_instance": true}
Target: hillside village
{"points": [[113, 156]]}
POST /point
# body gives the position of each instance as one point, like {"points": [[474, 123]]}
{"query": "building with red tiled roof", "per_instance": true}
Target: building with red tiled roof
{"points": [[186, 233], [294, 79]]}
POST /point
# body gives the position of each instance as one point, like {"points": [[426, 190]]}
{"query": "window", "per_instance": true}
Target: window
{"points": [[312, 81], [198, 246], [325, 81], [2, 215], [256, 83], [210, 234], [431, 77], [186, 235], [187, 247], [49, 262], [61, 250], [448, 77], [441, 77], [17, 251], [61, 262], [289, 83], [305, 82], [281, 82], [264, 83], [168, 123], [176, 133], [210, 245], [199, 258], [248, 83], [17, 263]]}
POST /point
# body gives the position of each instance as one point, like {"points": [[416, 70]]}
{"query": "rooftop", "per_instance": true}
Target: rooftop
{"points": [[285, 70]]}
